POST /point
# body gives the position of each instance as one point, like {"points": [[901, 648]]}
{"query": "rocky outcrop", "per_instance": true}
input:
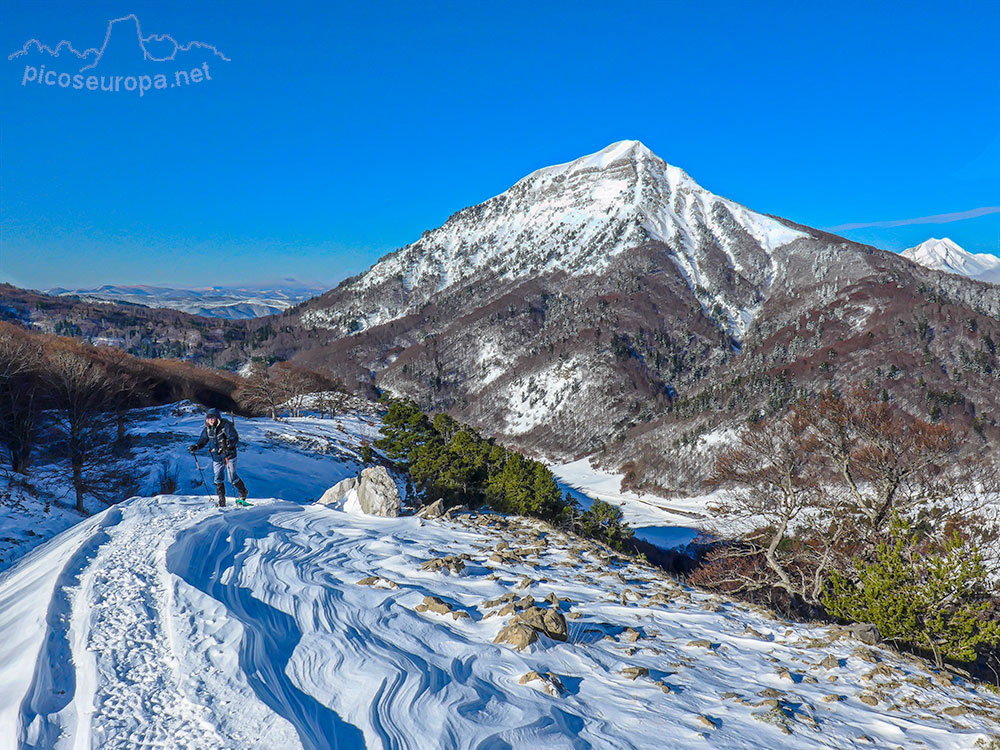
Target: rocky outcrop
{"points": [[440, 607], [452, 563], [338, 492], [518, 635], [377, 493], [434, 510]]}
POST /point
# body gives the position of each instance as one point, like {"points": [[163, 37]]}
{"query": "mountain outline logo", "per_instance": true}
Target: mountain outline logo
{"points": [[92, 56]]}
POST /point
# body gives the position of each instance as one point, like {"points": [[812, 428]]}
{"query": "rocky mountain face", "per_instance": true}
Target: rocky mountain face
{"points": [[576, 219], [947, 255], [613, 306]]}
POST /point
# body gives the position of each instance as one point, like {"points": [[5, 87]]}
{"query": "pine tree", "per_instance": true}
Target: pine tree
{"points": [[938, 598], [605, 522]]}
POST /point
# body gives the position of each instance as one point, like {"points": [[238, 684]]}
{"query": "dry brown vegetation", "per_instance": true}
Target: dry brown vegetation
{"points": [[835, 485], [77, 396]]}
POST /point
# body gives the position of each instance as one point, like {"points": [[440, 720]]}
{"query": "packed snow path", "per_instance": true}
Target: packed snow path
{"points": [[166, 622]]}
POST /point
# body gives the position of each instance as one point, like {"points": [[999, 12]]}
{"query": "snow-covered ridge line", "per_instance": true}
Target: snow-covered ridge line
{"points": [[575, 218]]}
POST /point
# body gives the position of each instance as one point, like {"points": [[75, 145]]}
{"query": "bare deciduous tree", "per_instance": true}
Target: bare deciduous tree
{"points": [[818, 488], [82, 395], [19, 371], [885, 463], [260, 392]]}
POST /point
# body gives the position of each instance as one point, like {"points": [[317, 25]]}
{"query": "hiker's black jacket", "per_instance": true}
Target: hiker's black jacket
{"points": [[221, 440]]}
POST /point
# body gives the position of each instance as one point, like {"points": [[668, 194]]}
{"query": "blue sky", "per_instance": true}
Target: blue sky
{"points": [[338, 132]]}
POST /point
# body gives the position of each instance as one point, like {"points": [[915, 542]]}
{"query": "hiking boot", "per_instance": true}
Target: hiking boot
{"points": [[221, 490], [241, 488]]}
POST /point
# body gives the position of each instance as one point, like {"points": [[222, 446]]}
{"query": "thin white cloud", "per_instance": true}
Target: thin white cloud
{"points": [[936, 219]]}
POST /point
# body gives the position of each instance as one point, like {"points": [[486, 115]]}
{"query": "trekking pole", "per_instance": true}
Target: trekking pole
{"points": [[198, 464]]}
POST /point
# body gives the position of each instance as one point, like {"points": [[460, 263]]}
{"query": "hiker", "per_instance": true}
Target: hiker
{"points": [[220, 435]]}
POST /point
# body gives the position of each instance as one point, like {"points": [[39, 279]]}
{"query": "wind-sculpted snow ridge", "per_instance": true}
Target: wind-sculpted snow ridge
{"points": [[165, 622], [575, 218]]}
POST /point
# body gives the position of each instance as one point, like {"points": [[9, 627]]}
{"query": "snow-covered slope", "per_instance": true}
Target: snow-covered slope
{"points": [[217, 302], [575, 218], [166, 622], [946, 255]]}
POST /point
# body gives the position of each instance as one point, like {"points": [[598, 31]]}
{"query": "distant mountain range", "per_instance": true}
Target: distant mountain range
{"points": [[234, 303], [946, 255]]}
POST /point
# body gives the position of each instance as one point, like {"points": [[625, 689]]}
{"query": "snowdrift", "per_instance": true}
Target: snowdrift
{"points": [[164, 621]]}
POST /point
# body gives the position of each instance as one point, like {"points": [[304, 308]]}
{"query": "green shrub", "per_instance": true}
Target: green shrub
{"points": [[935, 597], [605, 522], [451, 461]]}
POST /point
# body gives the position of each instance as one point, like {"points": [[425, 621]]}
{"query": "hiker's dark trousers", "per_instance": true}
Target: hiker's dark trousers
{"points": [[221, 468]]}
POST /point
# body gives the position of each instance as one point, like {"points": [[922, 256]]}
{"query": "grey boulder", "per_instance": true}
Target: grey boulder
{"points": [[378, 494], [337, 493]]}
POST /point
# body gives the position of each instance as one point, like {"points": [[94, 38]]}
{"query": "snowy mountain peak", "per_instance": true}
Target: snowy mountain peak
{"points": [[947, 255], [617, 151], [576, 218]]}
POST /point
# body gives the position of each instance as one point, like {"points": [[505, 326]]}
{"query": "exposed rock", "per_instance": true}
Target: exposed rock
{"points": [[434, 510], [882, 670], [631, 635], [868, 699], [710, 722], [830, 662], [504, 599], [436, 605], [771, 693], [378, 582], [866, 655], [634, 673], [377, 493], [701, 643], [832, 698], [453, 563], [547, 621], [551, 684], [337, 493], [753, 633], [864, 632], [518, 635], [956, 710]]}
